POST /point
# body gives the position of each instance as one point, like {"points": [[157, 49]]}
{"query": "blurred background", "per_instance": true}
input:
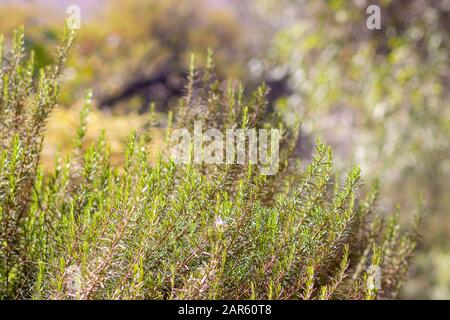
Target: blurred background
{"points": [[380, 98]]}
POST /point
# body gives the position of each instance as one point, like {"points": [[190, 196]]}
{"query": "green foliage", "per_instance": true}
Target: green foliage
{"points": [[167, 231]]}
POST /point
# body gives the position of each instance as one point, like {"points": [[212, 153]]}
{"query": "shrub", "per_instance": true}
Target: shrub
{"points": [[169, 231]]}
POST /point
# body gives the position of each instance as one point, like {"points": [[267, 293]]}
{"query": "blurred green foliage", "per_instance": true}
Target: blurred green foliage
{"points": [[379, 97]]}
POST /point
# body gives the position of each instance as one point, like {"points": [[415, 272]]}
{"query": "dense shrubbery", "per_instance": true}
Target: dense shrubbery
{"points": [[166, 231]]}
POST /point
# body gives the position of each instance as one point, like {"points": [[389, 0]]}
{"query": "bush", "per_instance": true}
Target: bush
{"points": [[169, 231]]}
